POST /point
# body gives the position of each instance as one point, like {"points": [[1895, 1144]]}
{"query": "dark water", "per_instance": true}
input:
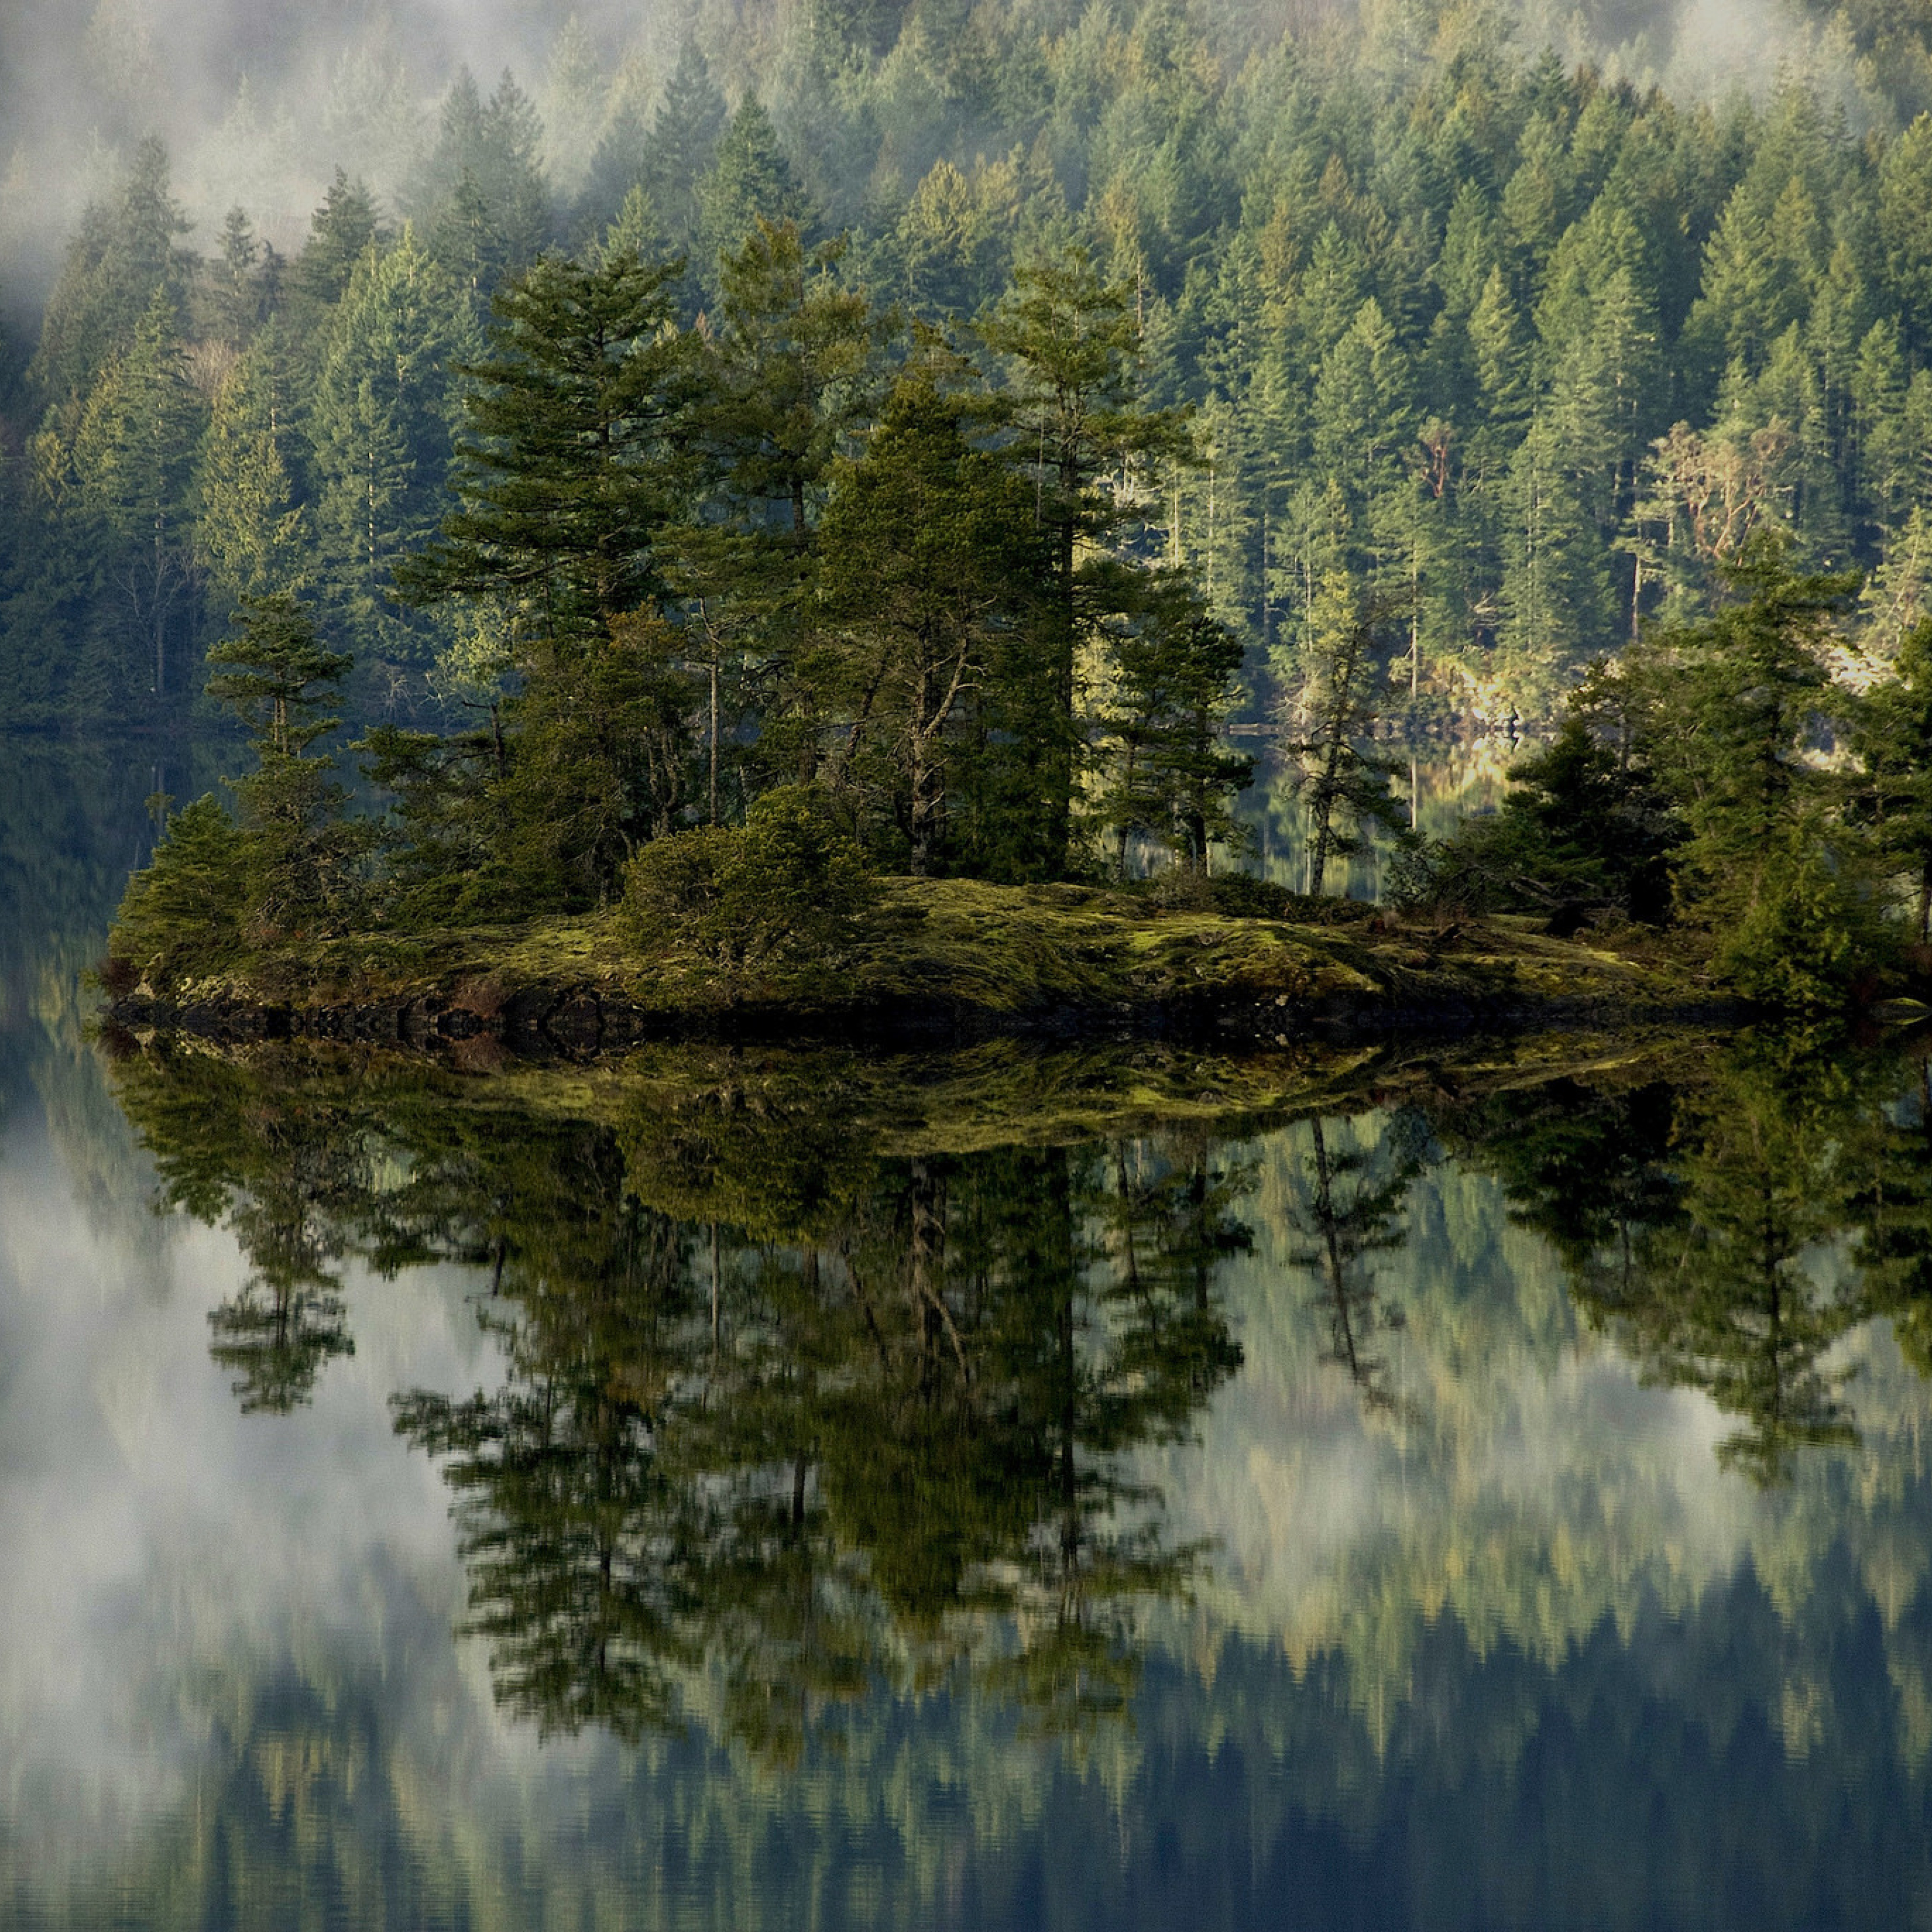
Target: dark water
{"points": [[1014, 1493]]}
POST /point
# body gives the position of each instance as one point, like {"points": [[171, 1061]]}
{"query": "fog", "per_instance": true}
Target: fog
{"points": [[258, 105]]}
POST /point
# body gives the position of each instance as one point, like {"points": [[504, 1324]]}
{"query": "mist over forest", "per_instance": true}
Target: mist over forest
{"points": [[1525, 316], [259, 106]]}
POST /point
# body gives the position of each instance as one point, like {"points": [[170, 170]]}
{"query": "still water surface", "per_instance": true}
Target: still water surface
{"points": [[1074, 1492]]}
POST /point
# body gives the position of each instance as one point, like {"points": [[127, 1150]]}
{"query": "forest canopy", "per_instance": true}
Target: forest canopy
{"points": [[1340, 377], [1520, 345]]}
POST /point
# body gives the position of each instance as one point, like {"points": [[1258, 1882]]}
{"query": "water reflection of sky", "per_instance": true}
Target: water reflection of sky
{"points": [[180, 1573], [1508, 1647]]}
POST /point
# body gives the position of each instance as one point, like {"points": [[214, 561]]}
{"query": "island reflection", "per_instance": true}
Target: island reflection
{"points": [[800, 1402]]}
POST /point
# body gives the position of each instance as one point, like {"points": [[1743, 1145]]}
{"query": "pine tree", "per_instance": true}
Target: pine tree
{"points": [[236, 295], [1500, 354], [1173, 684], [123, 260], [1730, 705], [1078, 430], [683, 143], [298, 852], [1345, 789], [1362, 412], [1905, 230], [619, 168], [792, 374], [749, 181], [133, 460], [1891, 735], [929, 569], [341, 232], [252, 536], [384, 400], [481, 187], [566, 469]]}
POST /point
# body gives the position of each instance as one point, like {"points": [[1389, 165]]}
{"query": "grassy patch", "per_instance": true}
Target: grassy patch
{"points": [[1002, 952]]}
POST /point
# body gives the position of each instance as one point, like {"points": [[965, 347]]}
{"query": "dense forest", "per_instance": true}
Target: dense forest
{"points": [[1524, 348], [971, 468]]}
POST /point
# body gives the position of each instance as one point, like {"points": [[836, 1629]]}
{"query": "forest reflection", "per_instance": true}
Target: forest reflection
{"points": [[789, 1409], [774, 1411]]}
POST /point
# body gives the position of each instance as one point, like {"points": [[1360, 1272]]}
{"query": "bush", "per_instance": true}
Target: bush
{"points": [[788, 887], [182, 912], [1806, 941], [1241, 895], [1578, 829]]}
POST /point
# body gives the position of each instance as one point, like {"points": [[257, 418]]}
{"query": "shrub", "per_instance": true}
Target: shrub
{"points": [[183, 910], [1241, 895], [788, 886], [1809, 937]]}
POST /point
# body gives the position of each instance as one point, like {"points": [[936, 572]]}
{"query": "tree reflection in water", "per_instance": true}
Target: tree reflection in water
{"points": [[782, 1415], [787, 1412], [1732, 1228], [1356, 1209]]}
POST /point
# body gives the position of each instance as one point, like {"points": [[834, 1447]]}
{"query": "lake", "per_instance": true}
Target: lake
{"points": [[1457, 1484]]}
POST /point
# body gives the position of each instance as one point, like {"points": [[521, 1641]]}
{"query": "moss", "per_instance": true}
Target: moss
{"points": [[756, 1108], [1004, 953]]}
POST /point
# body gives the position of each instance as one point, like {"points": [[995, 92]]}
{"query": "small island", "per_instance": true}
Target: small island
{"points": [[895, 731], [939, 962]]}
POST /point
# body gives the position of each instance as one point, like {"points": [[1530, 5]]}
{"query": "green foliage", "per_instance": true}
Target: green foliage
{"points": [[1554, 372], [684, 135], [253, 535], [1583, 827], [183, 912], [1538, 370], [479, 196], [565, 469], [933, 580], [299, 855], [384, 406], [1346, 788], [275, 676], [750, 180], [124, 256], [1891, 733], [1171, 775], [1806, 937], [787, 888]]}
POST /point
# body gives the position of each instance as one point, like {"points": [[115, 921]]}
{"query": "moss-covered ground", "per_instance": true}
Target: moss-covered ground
{"points": [[1000, 956]]}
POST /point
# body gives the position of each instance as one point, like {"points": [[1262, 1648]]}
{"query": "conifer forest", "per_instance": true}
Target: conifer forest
{"points": [[1417, 314], [966, 964], [962, 422]]}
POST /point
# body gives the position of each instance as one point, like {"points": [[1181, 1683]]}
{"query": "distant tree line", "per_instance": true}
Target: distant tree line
{"points": [[1529, 353]]}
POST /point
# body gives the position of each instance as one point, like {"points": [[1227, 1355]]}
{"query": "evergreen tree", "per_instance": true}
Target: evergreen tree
{"points": [[566, 466], [386, 400], [251, 534], [683, 142], [1730, 707], [132, 462], [1078, 429], [749, 181], [1345, 789], [123, 261], [341, 231], [1892, 734], [1174, 685], [236, 293], [298, 853], [481, 191], [930, 568]]}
